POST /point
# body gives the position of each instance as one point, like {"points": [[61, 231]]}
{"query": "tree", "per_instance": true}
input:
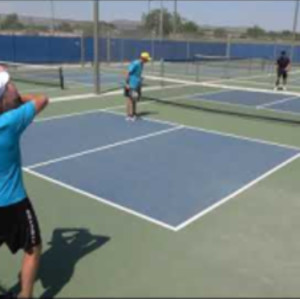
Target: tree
{"points": [[11, 22], [220, 32], [87, 28], [273, 34], [189, 27], [36, 28], [177, 21], [151, 22], [286, 34], [255, 32], [65, 27]]}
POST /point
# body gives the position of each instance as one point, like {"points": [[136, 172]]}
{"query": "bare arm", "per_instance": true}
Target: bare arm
{"points": [[40, 101]]}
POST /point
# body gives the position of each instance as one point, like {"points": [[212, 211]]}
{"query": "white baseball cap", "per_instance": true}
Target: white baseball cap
{"points": [[4, 79]]}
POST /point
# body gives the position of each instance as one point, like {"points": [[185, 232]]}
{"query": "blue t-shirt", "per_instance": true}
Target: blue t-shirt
{"points": [[135, 71], [12, 125]]}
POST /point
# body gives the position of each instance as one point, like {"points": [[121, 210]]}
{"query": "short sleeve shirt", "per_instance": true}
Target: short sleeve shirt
{"points": [[12, 125], [135, 71], [283, 62]]}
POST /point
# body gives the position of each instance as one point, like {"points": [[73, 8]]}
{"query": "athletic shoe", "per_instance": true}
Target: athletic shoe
{"points": [[131, 118]]}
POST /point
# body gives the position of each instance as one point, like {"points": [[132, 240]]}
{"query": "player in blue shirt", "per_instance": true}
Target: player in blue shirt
{"points": [[133, 85], [19, 227], [283, 64]]}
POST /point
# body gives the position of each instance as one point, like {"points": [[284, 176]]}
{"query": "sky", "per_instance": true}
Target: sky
{"points": [[271, 15]]}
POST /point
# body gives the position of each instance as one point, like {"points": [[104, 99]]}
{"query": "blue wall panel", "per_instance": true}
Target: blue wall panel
{"points": [[44, 49]]}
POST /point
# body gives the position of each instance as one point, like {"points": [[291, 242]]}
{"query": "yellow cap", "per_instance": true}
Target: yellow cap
{"points": [[146, 56]]}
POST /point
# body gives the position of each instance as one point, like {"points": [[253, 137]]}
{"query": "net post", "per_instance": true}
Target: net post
{"points": [[295, 24]]}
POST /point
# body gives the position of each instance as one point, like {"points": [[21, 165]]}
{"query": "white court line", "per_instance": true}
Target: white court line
{"points": [[239, 191], [276, 102], [105, 147], [245, 78], [86, 112], [73, 97], [267, 85], [71, 83], [27, 89], [108, 109], [171, 123], [61, 116], [41, 119], [181, 226], [100, 199], [160, 223], [224, 86], [110, 93], [283, 111]]}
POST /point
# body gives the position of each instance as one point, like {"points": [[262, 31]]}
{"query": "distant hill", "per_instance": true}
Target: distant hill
{"points": [[27, 20]]}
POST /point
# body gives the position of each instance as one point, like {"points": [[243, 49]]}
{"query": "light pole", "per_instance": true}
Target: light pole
{"points": [[96, 48], [175, 17], [52, 17], [161, 21], [295, 28]]}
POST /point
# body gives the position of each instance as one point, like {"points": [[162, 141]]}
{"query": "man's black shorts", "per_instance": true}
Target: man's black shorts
{"points": [[19, 228], [134, 94], [282, 73]]}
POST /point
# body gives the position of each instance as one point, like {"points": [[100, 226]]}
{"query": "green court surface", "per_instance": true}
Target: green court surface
{"points": [[248, 247]]}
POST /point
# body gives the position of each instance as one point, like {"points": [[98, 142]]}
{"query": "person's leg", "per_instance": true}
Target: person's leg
{"points": [[130, 107], [138, 99], [278, 79], [134, 108], [26, 235], [29, 270], [284, 76]]}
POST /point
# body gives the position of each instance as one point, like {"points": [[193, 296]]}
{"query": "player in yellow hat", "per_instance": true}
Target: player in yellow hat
{"points": [[133, 87]]}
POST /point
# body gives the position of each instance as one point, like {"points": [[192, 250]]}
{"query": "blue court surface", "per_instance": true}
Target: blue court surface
{"points": [[289, 106], [279, 102], [165, 173]]}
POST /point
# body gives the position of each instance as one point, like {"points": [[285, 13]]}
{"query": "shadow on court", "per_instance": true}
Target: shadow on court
{"points": [[58, 262], [2, 289], [146, 113]]}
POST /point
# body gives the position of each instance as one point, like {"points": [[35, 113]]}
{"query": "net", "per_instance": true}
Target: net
{"points": [[233, 62], [228, 99], [205, 66], [35, 74]]}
